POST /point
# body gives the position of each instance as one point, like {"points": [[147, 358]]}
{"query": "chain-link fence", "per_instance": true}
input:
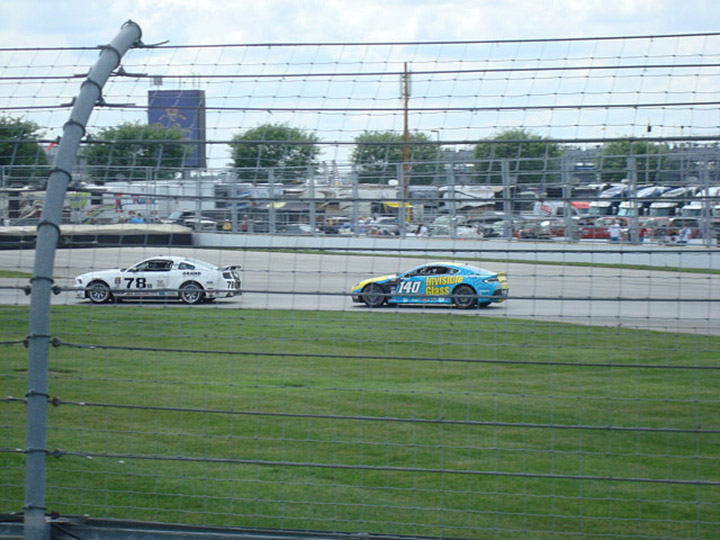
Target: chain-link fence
{"points": [[500, 322]]}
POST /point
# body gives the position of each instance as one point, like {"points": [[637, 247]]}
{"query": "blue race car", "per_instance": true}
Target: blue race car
{"points": [[462, 285]]}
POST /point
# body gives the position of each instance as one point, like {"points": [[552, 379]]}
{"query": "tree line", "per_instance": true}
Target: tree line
{"points": [[126, 151]]}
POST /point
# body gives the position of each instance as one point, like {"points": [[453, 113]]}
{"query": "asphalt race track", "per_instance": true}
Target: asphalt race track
{"points": [[617, 297]]}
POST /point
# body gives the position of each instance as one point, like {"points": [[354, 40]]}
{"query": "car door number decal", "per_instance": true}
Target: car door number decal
{"points": [[409, 287], [140, 283]]}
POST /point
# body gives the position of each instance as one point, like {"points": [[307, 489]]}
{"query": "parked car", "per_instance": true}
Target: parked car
{"points": [[657, 229], [487, 224], [384, 226], [600, 228], [202, 224], [299, 229], [461, 231], [538, 229]]}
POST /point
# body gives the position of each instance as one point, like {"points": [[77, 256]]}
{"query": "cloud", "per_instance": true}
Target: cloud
{"points": [[69, 22], [193, 22]]}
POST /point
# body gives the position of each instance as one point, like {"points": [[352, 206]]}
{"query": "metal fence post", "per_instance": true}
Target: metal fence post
{"points": [[311, 192], [633, 229], [706, 212], [48, 232], [233, 201], [452, 208], [355, 216]]}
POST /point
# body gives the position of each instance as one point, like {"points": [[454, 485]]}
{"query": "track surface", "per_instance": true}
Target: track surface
{"points": [[654, 300]]}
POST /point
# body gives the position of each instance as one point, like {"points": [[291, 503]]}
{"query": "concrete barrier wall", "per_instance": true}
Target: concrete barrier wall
{"points": [[671, 256]]}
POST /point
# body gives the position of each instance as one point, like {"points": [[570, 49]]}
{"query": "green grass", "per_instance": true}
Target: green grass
{"points": [[14, 274], [256, 434]]}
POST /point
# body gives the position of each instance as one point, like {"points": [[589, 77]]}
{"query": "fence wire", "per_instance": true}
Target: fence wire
{"points": [[581, 401]]}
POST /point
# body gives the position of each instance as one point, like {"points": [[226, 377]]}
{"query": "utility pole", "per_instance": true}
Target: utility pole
{"points": [[437, 155], [406, 151]]}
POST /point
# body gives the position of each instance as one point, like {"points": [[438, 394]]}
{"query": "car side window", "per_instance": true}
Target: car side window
{"points": [[142, 267], [186, 266], [438, 270], [160, 266], [425, 271]]}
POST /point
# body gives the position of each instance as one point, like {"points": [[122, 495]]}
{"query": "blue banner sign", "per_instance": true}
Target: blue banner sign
{"points": [[183, 109]]}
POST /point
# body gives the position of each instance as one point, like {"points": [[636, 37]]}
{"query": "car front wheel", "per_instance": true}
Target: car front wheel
{"points": [[373, 295], [464, 297], [191, 293], [98, 292]]}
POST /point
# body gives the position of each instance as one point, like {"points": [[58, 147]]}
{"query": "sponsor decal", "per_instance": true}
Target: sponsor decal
{"points": [[437, 290], [440, 285], [444, 280]]}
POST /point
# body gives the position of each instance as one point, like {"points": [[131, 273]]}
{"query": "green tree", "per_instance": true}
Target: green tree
{"points": [[21, 156], [530, 158], [287, 149], [652, 161], [128, 150], [379, 154]]}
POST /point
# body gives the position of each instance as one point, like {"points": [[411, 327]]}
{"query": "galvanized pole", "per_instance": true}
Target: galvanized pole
{"points": [[272, 227], [706, 228], [311, 193], [48, 232], [634, 228], [355, 203], [233, 201], [452, 208], [507, 197], [566, 180], [403, 214]]}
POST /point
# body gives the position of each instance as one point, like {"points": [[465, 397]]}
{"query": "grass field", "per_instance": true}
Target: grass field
{"points": [[413, 423]]}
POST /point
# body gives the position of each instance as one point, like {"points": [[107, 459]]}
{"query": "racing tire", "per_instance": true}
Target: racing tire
{"points": [[98, 292], [464, 297], [191, 293], [373, 295]]}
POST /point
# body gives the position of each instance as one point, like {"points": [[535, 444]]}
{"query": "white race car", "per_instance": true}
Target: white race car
{"points": [[190, 280]]}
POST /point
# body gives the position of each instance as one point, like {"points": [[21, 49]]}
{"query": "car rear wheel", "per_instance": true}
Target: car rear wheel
{"points": [[98, 292], [464, 297], [191, 293], [373, 295]]}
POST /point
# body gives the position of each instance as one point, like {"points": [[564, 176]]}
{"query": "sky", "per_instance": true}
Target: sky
{"points": [[88, 23], [79, 22]]}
